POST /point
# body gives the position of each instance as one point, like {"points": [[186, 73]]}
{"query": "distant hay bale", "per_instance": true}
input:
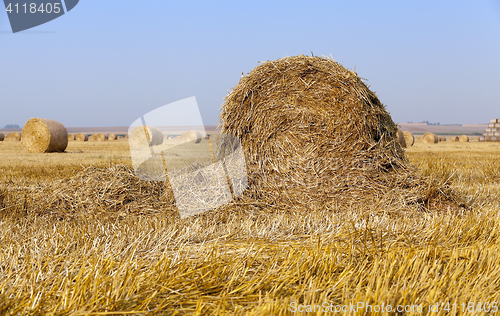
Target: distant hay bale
{"points": [[401, 139], [409, 138], [111, 136], [480, 139], [44, 136], [101, 137], [71, 137], [430, 138], [2, 136], [191, 136], [495, 121], [454, 139], [13, 137], [464, 139], [126, 136], [80, 137], [146, 135], [91, 138]]}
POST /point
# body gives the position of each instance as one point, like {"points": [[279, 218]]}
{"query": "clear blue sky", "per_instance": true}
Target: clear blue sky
{"points": [[105, 63]]}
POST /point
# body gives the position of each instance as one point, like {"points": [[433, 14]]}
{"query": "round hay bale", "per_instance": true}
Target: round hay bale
{"points": [[409, 138], [480, 139], [191, 136], [313, 133], [2, 137], [111, 136], [71, 137], [80, 137], [13, 137], [454, 138], [44, 136], [464, 138], [401, 139], [146, 135], [430, 138], [126, 136], [100, 137]]}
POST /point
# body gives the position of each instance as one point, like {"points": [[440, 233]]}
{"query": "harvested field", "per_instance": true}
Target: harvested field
{"points": [[104, 235]]}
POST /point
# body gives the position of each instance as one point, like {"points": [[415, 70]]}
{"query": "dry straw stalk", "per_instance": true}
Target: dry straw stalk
{"points": [[44, 135]]}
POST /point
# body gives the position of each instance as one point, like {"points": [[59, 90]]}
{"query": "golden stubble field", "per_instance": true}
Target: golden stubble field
{"points": [[247, 260]]}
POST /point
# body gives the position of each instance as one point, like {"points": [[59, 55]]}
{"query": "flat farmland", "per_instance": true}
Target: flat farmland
{"points": [[242, 259]]}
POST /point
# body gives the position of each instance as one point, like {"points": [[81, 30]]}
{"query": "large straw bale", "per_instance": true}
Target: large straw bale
{"points": [[454, 139], [430, 138], [495, 121], [111, 136], [43, 136], [191, 136], [146, 135], [71, 137], [464, 139], [313, 133], [409, 138], [13, 137], [2, 137], [81, 137]]}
